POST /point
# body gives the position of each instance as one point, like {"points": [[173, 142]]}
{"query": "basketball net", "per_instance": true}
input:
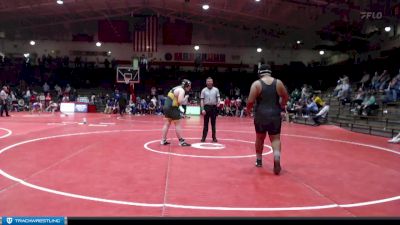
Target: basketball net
{"points": [[127, 79]]}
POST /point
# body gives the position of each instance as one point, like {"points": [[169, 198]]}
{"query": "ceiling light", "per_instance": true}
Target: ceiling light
{"points": [[60, 2], [26, 55], [206, 7], [196, 47], [259, 50], [321, 52], [388, 29], [32, 42], [98, 44], [257, 0], [298, 42]]}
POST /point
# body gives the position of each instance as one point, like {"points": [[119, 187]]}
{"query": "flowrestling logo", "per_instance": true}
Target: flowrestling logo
{"points": [[33, 220], [371, 15]]}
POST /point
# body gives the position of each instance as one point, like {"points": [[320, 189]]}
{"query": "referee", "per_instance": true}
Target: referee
{"points": [[209, 101]]}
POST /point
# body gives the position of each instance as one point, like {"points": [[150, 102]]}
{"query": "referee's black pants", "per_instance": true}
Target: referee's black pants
{"points": [[3, 106], [211, 113]]}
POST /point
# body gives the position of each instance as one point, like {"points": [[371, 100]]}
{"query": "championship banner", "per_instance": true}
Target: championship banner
{"points": [[203, 57]]}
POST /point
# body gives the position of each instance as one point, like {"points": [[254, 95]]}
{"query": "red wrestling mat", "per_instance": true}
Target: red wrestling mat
{"points": [[111, 166]]}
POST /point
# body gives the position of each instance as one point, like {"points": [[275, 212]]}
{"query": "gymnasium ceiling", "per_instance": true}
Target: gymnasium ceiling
{"points": [[287, 20]]}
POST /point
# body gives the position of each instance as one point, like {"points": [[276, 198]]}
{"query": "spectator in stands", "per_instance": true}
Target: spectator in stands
{"points": [[53, 106], [65, 98], [37, 106], [311, 107], [46, 88], [320, 103], [359, 98], [395, 139], [299, 107], [74, 96], [239, 107], [109, 106], [393, 90], [344, 91], [59, 92], [221, 106], [364, 80], [368, 104], [237, 92], [384, 80], [305, 92], [93, 98], [322, 115], [152, 108], [153, 92], [47, 100], [143, 106], [337, 88], [27, 95], [154, 100], [14, 102], [67, 89], [374, 81], [295, 95], [132, 107]]}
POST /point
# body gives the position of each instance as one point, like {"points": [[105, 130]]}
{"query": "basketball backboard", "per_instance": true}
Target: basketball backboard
{"points": [[127, 75]]}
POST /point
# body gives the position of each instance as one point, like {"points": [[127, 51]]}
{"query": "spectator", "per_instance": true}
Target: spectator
{"points": [[46, 88], [364, 80], [321, 116], [320, 103], [359, 98], [395, 139], [393, 90], [368, 104]]}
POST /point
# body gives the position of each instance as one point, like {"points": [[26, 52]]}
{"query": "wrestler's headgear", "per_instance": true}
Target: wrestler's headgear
{"points": [[264, 69], [186, 83]]}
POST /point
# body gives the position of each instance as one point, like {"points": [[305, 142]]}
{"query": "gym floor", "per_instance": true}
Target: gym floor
{"points": [[52, 164]]}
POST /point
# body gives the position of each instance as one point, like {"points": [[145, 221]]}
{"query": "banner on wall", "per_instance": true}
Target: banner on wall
{"points": [[203, 57], [88, 53]]}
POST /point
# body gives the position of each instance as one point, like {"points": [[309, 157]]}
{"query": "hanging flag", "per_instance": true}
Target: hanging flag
{"points": [[145, 35]]}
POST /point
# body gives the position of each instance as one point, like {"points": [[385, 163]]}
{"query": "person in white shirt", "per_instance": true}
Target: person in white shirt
{"points": [[395, 139], [209, 100], [321, 115]]}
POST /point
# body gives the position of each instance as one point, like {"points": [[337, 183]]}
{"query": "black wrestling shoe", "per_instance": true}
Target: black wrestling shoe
{"points": [[258, 162], [184, 144], [215, 140], [165, 142], [203, 140], [277, 167]]}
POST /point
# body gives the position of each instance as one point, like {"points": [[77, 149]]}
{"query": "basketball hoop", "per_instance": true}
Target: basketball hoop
{"points": [[127, 79]]}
